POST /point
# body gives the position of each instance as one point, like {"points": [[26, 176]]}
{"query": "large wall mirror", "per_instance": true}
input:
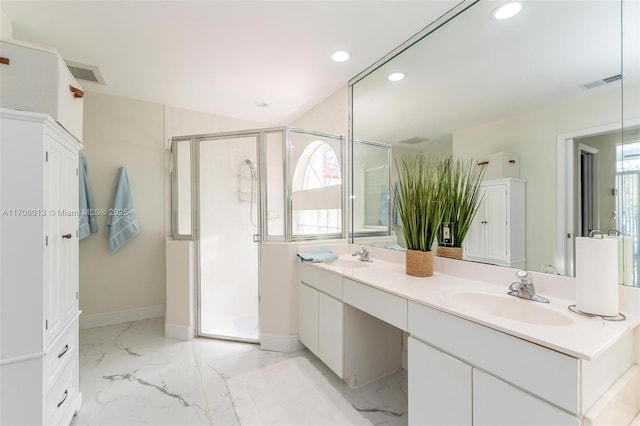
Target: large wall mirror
{"points": [[553, 93]]}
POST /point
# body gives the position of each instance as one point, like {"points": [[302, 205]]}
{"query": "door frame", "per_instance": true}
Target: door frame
{"points": [[565, 190], [195, 155]]}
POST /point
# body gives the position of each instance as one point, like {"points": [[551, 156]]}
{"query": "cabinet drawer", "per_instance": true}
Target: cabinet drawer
{"points": [[380, 304], [498, 403], [63, 349], [549, 374], [322, 280], [61, 401], [37, 80]]}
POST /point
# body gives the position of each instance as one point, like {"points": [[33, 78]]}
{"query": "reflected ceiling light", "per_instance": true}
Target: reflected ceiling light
{"points": [[395, 76], [340, 55], [506, 11]]}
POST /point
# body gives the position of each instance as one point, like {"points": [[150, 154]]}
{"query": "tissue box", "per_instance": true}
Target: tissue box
{"points": [[501, 165]]}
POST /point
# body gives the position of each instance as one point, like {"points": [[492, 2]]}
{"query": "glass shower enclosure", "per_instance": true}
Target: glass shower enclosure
{"points": [[231, 191]]}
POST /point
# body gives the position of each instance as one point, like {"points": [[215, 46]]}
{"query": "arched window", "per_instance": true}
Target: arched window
{"points": [[318, 167], [317, 191]]}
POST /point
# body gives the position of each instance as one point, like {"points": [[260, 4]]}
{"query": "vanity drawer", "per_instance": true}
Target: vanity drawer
{"points": [[544, 372], [324, 281], [61, 402], [36, 79], [380, 304], [64, 348]]}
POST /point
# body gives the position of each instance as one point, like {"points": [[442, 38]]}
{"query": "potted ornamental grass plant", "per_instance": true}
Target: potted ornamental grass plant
{"points": [[461, 197], [420, 208]]}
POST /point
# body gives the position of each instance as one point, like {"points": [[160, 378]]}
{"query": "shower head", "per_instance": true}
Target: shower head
{"points": [[251, 164]]}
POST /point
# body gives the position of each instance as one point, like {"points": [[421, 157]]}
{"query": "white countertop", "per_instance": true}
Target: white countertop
{"points": [[581, 337]]}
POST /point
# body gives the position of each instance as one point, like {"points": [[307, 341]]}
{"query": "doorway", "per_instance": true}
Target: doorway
{"points": [[588, 218], [228, 249]]}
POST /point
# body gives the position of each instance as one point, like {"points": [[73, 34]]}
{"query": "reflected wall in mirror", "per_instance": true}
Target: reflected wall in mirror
{"points": [[526, 86]]}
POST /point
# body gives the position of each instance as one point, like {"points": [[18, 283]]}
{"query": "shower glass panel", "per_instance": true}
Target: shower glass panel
{"points": [[228, 226], [316, 184], [273, 155], [181, 217]]}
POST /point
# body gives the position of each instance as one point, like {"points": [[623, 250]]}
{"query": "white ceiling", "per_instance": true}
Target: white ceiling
{"points": [[222, 56]]}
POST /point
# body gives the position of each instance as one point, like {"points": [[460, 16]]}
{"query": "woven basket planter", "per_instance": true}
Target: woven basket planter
{"points": [[419, 263], [450, 252]]}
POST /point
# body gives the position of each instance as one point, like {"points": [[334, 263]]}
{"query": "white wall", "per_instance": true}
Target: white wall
{"points": [[6, 26], [124, 132]]}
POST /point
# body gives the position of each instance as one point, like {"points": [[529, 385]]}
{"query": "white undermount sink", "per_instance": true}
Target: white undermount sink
{"points": [[348, 263], [509, 307]]}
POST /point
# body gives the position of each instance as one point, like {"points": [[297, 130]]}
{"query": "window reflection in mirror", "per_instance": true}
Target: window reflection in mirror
{"points": [[372, 208]]}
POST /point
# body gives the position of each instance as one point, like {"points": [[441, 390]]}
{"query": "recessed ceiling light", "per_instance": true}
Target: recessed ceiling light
{"points": [[395, 76], [506, 11], [340, 56], [260, 104]]}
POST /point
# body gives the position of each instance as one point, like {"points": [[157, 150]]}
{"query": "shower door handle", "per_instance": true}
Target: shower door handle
{"points": [[256, 238]]}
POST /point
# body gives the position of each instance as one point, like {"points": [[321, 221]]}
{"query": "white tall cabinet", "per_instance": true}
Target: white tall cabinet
{"points": [[38, 270], [497, 232]]}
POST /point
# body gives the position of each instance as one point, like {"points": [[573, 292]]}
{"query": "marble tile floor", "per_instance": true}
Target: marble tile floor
{"points": [[131, 375]]}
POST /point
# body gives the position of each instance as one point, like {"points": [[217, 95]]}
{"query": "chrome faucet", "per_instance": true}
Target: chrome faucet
{"points": [[524, 288], [364, 255]]}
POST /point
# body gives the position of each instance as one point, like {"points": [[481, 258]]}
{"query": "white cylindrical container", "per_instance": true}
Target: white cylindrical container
{"points": [[597, 275]]}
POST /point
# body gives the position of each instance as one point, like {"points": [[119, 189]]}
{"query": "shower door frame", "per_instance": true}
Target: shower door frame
{"points": [[195, 155]]}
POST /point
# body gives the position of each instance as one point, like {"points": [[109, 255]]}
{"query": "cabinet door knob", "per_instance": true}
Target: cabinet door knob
{"points": [[66, 236], [4, 60], [64, 351], [64, 398]]}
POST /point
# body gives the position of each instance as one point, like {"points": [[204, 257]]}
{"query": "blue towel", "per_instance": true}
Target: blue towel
{"points": [[383, 211], [88, 224], [319, 255], [122, 224]]}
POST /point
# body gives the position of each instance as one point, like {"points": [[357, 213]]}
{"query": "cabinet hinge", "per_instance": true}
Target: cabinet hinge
{"points": [[46, 324], [76, 171], [46, 156], [77, 296], [46, 240], [77, 234]]}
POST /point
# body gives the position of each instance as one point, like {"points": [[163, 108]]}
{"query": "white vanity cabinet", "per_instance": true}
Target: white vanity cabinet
{"points": [[497, 403], [38, 271], [440, 387], [513, 381], [320, 326], [496, 234], [358, 347]]}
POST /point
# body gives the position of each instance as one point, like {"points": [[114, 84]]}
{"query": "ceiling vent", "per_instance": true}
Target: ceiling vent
{"points": [[602, 82], [86, 72], [414, 140]]}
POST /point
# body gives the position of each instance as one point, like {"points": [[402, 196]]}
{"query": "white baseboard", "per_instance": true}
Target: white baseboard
{"points": [[118, 317], [280, 343], [178, 332]]}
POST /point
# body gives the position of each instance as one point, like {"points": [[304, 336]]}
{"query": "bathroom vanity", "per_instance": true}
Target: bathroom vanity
{"points": [[475, 355]]}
